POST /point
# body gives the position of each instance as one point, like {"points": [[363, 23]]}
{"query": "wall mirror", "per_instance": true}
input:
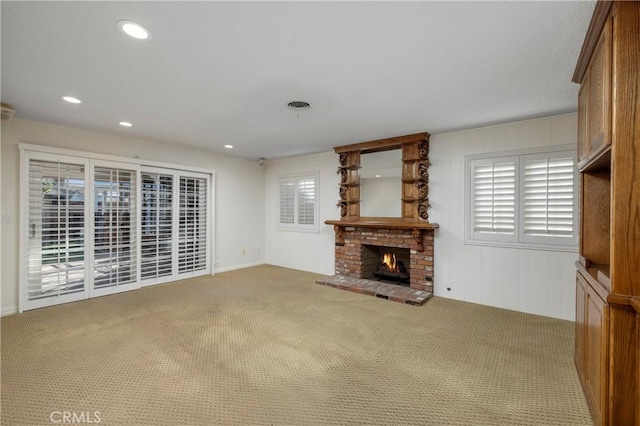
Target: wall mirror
{"points": [[381, 183]]}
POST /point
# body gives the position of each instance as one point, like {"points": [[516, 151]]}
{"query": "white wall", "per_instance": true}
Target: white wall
{"points": [[303, 250], [239, 191], [533, 281]]}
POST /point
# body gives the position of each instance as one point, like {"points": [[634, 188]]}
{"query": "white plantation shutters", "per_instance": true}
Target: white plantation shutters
{"points": [[306, 194], [548, 194], [175, 224], [298, 207], [494, 196], [157, 225], [192, 225], [115, 227], [95, 226], [56, 231], [287, 201], [523, 198]]}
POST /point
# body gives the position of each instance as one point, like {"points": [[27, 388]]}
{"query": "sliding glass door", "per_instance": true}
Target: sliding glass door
{"points": [[174, 221], [193, 236], [157, 222], [56, 230], [95, 227], [115, 229]]}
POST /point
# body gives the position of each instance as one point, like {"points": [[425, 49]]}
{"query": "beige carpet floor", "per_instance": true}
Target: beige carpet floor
{"points": [[266, 345]]}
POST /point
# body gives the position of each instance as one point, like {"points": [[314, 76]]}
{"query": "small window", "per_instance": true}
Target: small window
{"points": [[523, 199], [298, 208]]}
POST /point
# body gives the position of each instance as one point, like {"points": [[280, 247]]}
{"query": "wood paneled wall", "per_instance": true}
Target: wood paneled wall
{"points": [[535, 281]]}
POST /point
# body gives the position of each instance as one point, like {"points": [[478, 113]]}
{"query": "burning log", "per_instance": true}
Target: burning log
{"points": [[392, 269]]}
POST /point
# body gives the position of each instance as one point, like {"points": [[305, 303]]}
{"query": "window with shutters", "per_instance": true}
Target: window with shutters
{"points": [[298, 205], [523, 199]]}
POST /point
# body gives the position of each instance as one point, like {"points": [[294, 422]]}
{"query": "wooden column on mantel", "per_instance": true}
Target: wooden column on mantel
{"points": [[415, 187]]}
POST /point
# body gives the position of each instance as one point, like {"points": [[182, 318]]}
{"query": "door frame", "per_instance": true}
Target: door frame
{"points": [[29, 151]]}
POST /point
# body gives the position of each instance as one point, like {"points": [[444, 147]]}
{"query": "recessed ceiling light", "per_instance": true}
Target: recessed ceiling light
{"points": [[125, 124], [134, 29], [71, 99], [228, 146], [377, 175]]}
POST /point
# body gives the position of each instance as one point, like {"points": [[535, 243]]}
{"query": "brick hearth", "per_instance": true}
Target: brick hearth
{"points": [[393, 292]]}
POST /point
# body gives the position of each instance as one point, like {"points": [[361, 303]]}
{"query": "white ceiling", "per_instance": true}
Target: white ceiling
{"points": [[218, 73]]}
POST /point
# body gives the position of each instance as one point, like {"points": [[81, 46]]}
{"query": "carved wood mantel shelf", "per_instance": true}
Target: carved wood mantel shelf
{"points": [[417, 228]]}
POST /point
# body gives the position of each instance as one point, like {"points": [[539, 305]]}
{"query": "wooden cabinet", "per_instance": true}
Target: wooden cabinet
{"points": [[599, 121], [584, 144], [581, 324], [594, 100], [592, 343], [636, 306], [597, 359], [607, 284]]}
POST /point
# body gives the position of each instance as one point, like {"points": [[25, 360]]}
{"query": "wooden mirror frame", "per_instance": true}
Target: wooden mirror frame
{"points": [[415, 177]]}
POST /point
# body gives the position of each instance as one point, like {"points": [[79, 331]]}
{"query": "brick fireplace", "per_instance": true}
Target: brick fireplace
{"points": [[350, 261], [409, 235]]}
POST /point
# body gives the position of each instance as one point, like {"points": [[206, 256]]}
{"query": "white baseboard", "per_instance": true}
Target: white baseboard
{"points": [[8, 310], [233, 268]]}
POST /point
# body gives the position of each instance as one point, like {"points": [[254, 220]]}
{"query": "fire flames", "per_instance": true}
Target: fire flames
{"points": [[389, 259]]}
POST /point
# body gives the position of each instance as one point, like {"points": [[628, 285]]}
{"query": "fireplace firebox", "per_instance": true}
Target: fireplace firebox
{"points": [[386, 264]]}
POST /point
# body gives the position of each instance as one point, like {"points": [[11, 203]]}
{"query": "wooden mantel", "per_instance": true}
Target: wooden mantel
{"points": [[415, 188], [382, 223], [417, 228]]}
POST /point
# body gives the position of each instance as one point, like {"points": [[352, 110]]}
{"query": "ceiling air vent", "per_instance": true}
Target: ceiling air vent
{"points": [[7, 113], [299, 105]]}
